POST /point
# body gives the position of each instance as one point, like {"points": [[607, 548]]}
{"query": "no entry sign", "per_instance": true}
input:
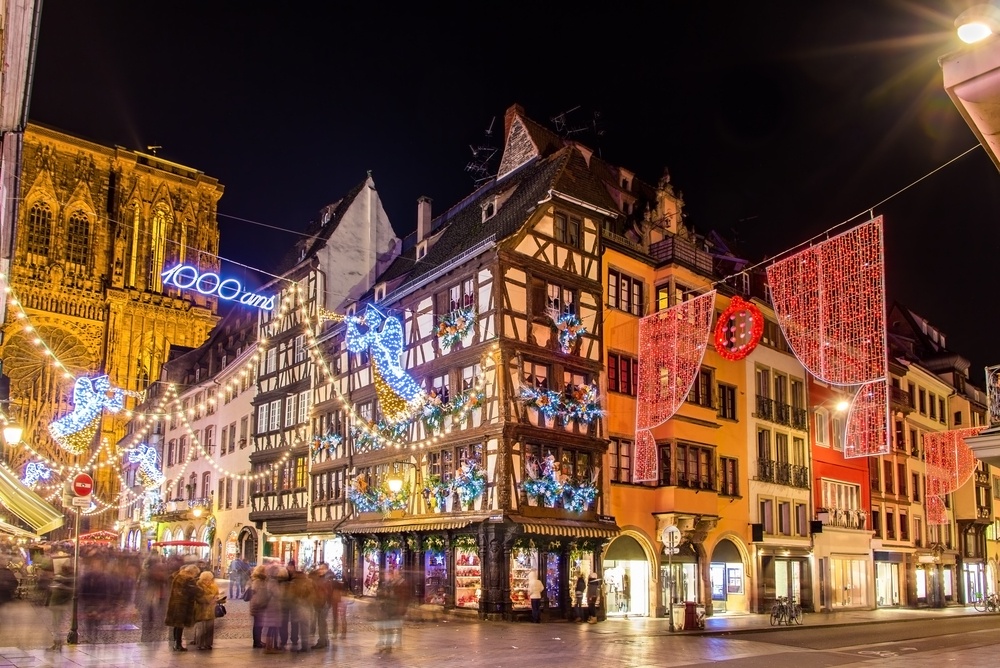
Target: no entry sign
{"points": [[83, 485]]}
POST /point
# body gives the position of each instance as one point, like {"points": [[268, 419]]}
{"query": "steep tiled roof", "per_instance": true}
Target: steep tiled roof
{"points": [[319, 233], [578, 180], [464, 226]]}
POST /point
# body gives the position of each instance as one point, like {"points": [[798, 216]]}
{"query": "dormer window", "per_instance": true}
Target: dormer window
{"points": [[351, 310], [421, 249], [488, 210], [380, 292]]}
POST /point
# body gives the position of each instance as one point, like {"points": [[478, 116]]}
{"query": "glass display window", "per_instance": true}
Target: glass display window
{"points": [[435, 578], [522, 562], [333, 555], [371, 573], [468, 578], [552, 579]]}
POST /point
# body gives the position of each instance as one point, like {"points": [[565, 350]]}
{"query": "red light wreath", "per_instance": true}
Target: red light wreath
{"points": [[739, 330]]}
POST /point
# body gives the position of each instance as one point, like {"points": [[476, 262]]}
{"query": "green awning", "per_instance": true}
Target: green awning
{"points": [[27, 505]]}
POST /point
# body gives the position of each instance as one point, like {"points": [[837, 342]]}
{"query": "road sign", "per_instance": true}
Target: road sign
{"points": [[671, 537], [83, 485], [81, 501]]}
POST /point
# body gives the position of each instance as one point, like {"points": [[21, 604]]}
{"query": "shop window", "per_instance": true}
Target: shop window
{"points": [[729, 481], [727, 402], [625, 293]]}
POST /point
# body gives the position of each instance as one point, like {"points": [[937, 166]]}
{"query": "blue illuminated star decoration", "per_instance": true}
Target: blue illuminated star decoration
{"points": [[149, 474], [35, 471], [399, 395], [75, 431]]}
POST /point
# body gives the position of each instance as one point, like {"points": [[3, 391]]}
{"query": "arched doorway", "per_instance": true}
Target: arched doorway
{"points": [[626, 577], [248, 547], [728, 577]]}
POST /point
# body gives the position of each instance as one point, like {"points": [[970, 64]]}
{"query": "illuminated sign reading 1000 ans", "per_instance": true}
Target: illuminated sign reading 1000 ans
{"points": [[186, 277]]}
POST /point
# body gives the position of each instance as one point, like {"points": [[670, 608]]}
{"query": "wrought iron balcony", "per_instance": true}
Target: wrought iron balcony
{"points": [[899, 399], [783, 473], [783, 414], [800, 419], [765, 408]]}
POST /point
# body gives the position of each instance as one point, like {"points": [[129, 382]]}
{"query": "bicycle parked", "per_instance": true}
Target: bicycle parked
{"points": [[988, 603], [785, 611]]}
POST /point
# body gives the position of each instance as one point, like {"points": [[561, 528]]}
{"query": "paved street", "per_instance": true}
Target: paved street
{"points": [[914, 639]]}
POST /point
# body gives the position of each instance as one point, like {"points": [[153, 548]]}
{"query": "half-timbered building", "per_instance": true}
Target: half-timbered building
{"points": [[494, 473], [334, 263]]}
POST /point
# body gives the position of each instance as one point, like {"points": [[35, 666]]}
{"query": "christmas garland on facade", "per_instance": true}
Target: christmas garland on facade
{"points": [[580, 403], [545, 483], [328, 444], [377, 499], [568, 329], [465, 542], [455, 326]]}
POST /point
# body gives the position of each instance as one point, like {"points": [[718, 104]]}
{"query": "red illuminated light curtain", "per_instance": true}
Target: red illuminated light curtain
{"points": [[830, 304], [950, 463], [672, 344]]}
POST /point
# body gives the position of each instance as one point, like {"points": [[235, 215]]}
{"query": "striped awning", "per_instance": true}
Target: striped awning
{"points": [[27, 505], [433, 523], [568, 528], [17, 532]]}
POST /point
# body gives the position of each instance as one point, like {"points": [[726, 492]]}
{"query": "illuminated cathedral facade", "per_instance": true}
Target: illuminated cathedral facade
{"points": [[96, 228]]}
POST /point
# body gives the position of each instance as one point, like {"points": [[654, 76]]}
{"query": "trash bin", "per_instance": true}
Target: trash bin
{"points": [[678, 617], [690, 616]]}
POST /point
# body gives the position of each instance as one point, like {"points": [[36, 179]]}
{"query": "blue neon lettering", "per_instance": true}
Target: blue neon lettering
{"points": [[185, 276]]}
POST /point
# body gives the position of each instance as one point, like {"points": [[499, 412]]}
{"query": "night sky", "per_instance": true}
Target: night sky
{"points": [[777, 120]]}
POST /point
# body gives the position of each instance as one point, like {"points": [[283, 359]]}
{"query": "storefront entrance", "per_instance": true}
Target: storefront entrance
{"points": [[887, 584], [626, 578], [728, 581], [974, 581], [849, 582]]}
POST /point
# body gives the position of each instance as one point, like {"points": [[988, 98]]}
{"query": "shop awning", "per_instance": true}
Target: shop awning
{"points": [[27, 505], [432, 523], [568, 528], [17, 532]]}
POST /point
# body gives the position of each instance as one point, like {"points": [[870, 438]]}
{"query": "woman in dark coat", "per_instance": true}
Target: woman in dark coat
{"points": [[257, 594], [180, 606]]}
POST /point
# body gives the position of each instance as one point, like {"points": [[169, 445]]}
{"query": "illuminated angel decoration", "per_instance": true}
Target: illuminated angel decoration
{"points": [[35, 471], [398, 394], [75, 431], [148, 475]]}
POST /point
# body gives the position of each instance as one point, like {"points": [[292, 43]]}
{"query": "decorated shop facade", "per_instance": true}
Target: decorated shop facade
{"points": [[461, 435]]}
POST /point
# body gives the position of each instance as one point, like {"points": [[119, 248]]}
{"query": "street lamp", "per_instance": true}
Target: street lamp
{"points": [[395, 482], [12, 432], [843, 405], [977, 23]]}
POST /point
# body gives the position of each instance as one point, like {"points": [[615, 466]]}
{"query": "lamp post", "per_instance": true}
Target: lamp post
{"points": [[671, 538], [12, 432]]}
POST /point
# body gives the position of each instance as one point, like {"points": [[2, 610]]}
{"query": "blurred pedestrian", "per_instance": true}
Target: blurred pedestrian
{"points": [[60, 595], [580, 591], [535, 590], [395, 596], [593, 594], [258, 597], [204, 610], [300, 607], [322, 593], [8, 581], [338, 590], [180, 605], [237, 577], [277, 576]]}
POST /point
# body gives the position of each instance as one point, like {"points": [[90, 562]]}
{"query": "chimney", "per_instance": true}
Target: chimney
{"points": [[423, 218]]}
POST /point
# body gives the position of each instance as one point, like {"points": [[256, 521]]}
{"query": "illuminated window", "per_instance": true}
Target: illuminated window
{"points": [[275, 422], [305, 399], [39, 231], [290, 414], [625, 293]]}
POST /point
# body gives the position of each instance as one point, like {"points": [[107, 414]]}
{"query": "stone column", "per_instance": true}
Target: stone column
{"points": [[449, 565], [418, 568]]}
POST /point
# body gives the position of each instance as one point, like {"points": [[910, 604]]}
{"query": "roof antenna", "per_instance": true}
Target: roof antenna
{"points": [[479, 166], [153, 149]]}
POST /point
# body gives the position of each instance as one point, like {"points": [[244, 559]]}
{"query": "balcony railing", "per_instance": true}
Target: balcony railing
{"points": [[783, 414], [783, 473], [844, 519], [673, 249], [899, 398], [765, 408], [800, 419]]}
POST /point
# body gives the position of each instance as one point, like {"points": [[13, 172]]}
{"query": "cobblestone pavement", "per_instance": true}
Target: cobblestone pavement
{"points": [[451, 641]]}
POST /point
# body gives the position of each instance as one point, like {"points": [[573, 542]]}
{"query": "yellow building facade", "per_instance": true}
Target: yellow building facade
{"points": [[96, 228]]}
